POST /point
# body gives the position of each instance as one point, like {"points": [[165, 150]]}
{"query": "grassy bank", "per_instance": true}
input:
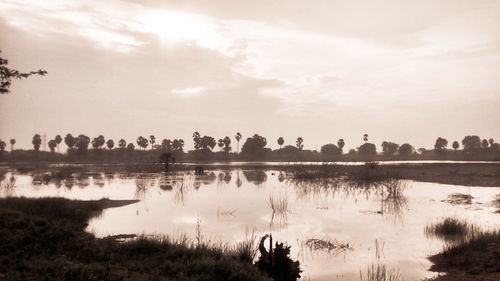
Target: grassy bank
{"points": [[44, 239], [475, 258]]}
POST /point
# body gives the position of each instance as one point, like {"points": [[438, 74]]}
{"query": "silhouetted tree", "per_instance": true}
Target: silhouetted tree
{"points": [[142, 142], [441, 143], [2, 145], [7, 74], [299, 143], [69, 140], [367, 149], [37, 141], [455, 145], [110, 144], [238, 138], [341, 144], [98, 142], [406, 149], [276, 262], [207, 143], [82, 143], [281, 141], [389, 148], [471, 143], [484, 143], [12, 142], [227, 144], [122, 143], [52, 145], [197, 140], [166, 144], [254, 145], [220, 143], [130, 146], [330, 150], [152, 141], [365, 137], [58, 140], [178, 144], [491, 142]]}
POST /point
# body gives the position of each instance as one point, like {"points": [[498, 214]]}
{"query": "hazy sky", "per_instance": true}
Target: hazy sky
{"points": [[406, 71]]}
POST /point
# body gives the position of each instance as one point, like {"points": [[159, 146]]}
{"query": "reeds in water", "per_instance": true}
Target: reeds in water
{"points": [[378, 272]]}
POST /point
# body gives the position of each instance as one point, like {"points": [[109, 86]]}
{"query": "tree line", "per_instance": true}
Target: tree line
{"points": [[255, 145]]}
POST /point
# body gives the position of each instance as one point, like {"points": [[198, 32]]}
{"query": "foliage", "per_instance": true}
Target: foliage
{"points": [[330, 150], [7, 74], [69, 140], [98, 142], [142, 142], [52, 145], [441, 143], [82, 143], [37, 141], [300, 143], [367, 149], [110, 144], [389, 148], [254, 145], [341, 143], [471, 143], [406, 149], [122, 143], [281, 141]]}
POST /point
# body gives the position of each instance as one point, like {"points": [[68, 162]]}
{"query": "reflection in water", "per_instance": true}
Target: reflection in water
{"points": [[298, 211], [256, 177]]}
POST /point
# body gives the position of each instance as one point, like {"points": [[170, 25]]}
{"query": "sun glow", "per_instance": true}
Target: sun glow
{"points": [[177, 26]]}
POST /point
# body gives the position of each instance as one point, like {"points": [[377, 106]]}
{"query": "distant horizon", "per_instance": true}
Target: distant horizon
{"points": [[322, 70]]}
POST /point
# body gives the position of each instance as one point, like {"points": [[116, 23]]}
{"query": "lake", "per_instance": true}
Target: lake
{"points": [[364, 224]]}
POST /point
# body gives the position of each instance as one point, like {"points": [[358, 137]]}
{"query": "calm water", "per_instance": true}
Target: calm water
{"points": [[379, 225]]}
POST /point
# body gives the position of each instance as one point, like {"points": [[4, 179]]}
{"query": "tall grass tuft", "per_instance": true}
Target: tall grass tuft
{"points": [[377, 272], [451, 229], [279, 204]]}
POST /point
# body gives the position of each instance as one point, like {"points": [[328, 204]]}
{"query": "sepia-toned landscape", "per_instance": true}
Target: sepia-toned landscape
{"points": [[262, 140]]}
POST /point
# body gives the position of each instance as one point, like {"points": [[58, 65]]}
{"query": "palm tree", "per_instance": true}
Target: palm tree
{"points": [[12, 142], [122, 143], [52, 145], [58, 140], [142, 142], [152, 140], [70, 141], [365, 137], [281, 141], [455, 145], [220, 143], [2, 145], [37, 141], [341, 144], [238, 138], [300, 142], [110, 143]]}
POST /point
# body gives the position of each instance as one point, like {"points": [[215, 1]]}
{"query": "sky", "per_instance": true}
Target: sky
{"points": [[402, 71]]}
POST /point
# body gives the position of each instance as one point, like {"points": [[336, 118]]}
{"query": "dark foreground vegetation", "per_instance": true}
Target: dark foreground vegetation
{"points": [[44, 239], [476, 257]]}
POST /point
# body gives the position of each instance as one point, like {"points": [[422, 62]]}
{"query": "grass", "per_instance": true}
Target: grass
{"points": [[279, 204], [459, 198], [378, 272], [451, 229], [474, 258], [44, 239]]}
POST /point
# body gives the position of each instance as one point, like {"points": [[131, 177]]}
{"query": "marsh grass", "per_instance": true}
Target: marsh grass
{"points": [[459, 198], [452, 229], [475, 258], [378, 272], [44, 239], [278, 204]]}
